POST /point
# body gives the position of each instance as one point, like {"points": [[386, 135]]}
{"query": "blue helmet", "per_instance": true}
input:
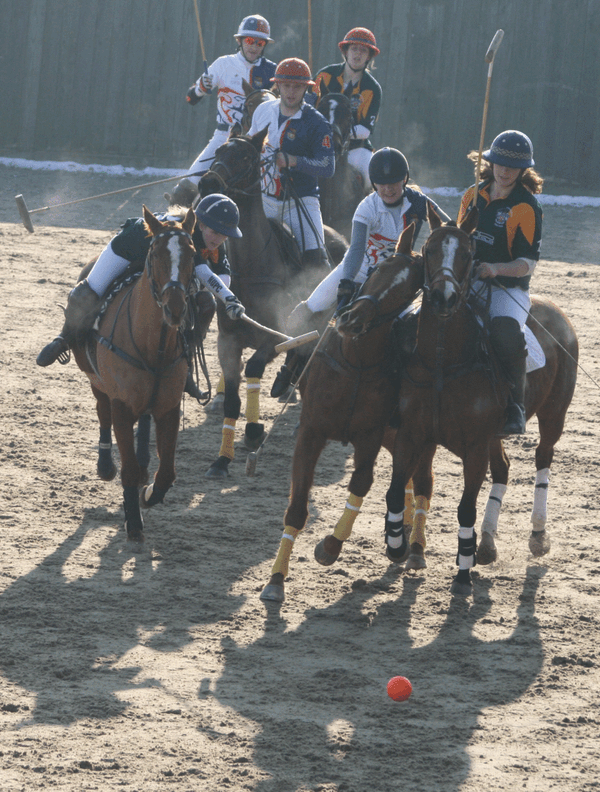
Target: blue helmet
{"points": [[512, 149], [219, 213], [388, 166], [256, 26]]}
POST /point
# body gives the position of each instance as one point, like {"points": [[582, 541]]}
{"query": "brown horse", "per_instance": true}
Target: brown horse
{"points": [[266, 278], [254, 97], [450, 397], [136, 365], [348, 394], [340, 194]]}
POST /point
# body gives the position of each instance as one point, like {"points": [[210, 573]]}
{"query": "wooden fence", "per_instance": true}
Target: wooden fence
{"points": [[105, 80]]}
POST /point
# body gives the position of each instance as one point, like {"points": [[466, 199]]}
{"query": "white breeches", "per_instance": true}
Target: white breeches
{"points": [[206, 157], [359, 158], [325, 294], [294, 216], [513, 302]]}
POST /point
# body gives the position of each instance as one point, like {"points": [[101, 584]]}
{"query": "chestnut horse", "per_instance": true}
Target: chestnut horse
{"points": [[136, 364], [342, 192], [450, 397], [266, 278], [349, 395]]}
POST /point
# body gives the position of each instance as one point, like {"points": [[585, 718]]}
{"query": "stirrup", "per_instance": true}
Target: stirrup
{"points": [[193, 390], [282, 382], [57, 349], [515, 422]]}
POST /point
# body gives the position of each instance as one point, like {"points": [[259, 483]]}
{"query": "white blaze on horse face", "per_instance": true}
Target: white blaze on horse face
{"points": [[175, 251], [400, 278], [332, 107], [449, 248]]}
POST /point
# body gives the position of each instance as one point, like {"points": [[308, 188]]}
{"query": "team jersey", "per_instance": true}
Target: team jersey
{"points": [[306, 135], [365, 98], [227, 73], [508, 228]]}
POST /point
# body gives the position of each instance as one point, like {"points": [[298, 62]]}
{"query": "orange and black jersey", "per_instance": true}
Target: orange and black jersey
{"points": [[508, 228], [365, 96]]}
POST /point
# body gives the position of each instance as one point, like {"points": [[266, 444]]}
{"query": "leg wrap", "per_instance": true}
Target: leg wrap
{"points": [[540, 499], [252, 399], [409, 504], [418, 532], [467, 545], [492, 509], [282, 562], [344, 527], [227, 438]]}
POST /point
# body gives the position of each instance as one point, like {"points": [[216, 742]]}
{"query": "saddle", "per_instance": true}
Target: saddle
{"points": [[287, 244]]}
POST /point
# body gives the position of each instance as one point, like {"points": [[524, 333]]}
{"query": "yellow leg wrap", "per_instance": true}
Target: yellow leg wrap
{"points": [[409, 505], [418, 531], [344, 527], [221, 385], [282, 562], [227, 438], [252, 399]]}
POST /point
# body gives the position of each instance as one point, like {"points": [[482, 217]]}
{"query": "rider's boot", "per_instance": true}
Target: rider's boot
{"points": [[184, 193], [298, 322], [508, 342], [80, 314]]}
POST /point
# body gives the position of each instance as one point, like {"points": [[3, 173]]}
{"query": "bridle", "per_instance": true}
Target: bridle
{"points": [[445, 274], [228, 179], [157, 291]]}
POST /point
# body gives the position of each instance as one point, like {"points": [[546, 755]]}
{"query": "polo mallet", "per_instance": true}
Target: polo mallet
{"points": [[289, 342], [200, 37], [252, 458], [489, 58], [309, 37]]}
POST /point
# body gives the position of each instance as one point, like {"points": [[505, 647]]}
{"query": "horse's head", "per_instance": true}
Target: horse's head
{"points": [[254, 97], [236, 167], [170, 264], [391, 287], [448, 262], [338, 111]]}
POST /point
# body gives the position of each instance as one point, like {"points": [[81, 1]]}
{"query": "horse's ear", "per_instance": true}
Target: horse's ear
{"points": [[153, 223], [236, 130], [433, 218], [258, 139], [248, 89], [469, 222], [189, 221], [405, 241]]}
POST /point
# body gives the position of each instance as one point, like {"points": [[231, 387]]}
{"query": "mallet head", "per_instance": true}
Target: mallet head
{"points": [[24, 212], [494, 44]]}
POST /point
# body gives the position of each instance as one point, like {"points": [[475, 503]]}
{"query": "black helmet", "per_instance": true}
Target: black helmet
{"points": [[388, 166], [219, 213], [512, 149]]}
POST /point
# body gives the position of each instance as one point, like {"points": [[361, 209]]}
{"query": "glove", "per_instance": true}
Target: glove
{"points": [[191, 96], [345, 292], [205, 83], [234, 307]]}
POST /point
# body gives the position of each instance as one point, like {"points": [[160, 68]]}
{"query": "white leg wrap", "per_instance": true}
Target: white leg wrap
{"points": [[540, 499], [394, 541], [465, 562], [492, 509]]}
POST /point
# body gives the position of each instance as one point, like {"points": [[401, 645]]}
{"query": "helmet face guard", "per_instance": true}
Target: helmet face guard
{"points": [[512, 149], [219, 213], [255, 26], [388, 166]]}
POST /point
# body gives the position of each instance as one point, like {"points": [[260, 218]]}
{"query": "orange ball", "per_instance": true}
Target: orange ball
{"points": [[399, 688]]}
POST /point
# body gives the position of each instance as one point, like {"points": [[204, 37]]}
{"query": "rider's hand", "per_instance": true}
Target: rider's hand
{"points": [[205, 83], [234, 307], [191, 96], [284, 160], [345, 292], [485, 270]]}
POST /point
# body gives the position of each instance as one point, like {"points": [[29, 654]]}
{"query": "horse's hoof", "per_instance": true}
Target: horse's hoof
{"points": [[461, 585], [254, 435], [289, 396], [107, 472], [397, 555], [416, 557], [135, 540], [328, 550], [539, 543], [273, 592], [151, 495], [216, 405], [486, 549], [219, 469]]}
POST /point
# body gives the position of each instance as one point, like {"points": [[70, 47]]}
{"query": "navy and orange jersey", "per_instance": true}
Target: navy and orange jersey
{"points": [[365, 96], [508, 228]]}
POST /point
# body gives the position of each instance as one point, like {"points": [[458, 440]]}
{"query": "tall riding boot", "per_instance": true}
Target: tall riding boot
{"points": [[184, 193], [80, 315], [298, 322], [509, 344]]}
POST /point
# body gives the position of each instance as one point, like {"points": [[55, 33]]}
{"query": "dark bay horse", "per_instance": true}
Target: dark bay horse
{"points": [[254, 97], [450, 397], [348, 394], [266, 278], [137, 366], [340, 194]]}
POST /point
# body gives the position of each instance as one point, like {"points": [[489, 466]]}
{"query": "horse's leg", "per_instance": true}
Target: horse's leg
{"points": [[230, 355], [167, 428], [475, 464], [216, 405], [499, 466], [423, 490], [123, 421], [309, 446], [405, 459], [106, 467], [142, 450], [366, 448], [255, 368]]}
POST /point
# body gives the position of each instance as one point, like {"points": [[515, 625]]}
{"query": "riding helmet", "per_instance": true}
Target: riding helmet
{"points": [[360, 36], [388, 166], [219, 213], [255, 25], [512, 149], [293, 70]]}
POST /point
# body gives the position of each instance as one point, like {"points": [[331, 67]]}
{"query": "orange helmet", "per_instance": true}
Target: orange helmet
{"points": [[360, 36], [293, 70]]}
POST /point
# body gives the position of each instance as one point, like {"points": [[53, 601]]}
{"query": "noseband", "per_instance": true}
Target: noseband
{"points": [[158, 293], [229, 180]]}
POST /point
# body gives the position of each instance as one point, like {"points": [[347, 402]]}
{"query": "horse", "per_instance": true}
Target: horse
{"points": [[253, 98], [264, 277], [136, 365], [449, 396], [348, 395], [342, 192]]}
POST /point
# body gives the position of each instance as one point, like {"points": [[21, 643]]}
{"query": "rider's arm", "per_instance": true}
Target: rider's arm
{"points": [[355, 254]]}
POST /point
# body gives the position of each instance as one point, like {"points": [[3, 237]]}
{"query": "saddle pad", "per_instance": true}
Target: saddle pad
{"points": [[535, 354]]}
